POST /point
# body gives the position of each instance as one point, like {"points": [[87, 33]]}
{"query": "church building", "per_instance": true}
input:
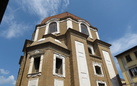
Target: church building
{"points": [[65, 50]]}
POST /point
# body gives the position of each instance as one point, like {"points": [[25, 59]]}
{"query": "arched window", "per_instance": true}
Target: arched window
{"points": [[52, 27], [91, 50], [84, 29]]}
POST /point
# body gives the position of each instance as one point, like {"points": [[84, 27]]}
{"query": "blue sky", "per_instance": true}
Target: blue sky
{"points": [[115, 19]]}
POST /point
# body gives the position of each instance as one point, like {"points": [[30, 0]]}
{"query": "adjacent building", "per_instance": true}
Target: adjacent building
{"points": [[65, 50], [128, 64]]}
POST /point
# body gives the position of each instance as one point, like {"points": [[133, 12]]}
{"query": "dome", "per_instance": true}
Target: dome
{"points": [[61, 16]]}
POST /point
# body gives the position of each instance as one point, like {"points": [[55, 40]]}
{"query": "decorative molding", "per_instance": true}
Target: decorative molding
{"points": [[34, 75], [88, 28], [58, 41], [42, 39], [36, 52], [58, 25], [36, 34], [56, 55], [69, 23], [100, 65], [97, 35]]}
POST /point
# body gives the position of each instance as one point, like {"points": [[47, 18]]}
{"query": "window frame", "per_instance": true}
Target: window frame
{"points": [[101, 82], [99, 65], [63, 65], [49, 22], [88, 28], [51, 25], [128, 57], [92, 50], [85, 28], [133, 74], [31, 64]]}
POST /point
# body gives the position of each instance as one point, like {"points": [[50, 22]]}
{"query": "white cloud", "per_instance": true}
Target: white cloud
{"points": [[3, 71], [14, 30], [9, 80], [44, 8], [123, 43], [13, 27], [127, 41]]}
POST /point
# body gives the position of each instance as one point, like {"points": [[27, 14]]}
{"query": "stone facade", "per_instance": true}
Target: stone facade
{"points": [[66, 56]]}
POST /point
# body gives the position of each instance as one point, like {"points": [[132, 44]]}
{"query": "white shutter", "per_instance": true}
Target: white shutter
{"points": [[33, 82], [41, 62], [110, 68], [58, 82], [31, 65], [82, 64]]}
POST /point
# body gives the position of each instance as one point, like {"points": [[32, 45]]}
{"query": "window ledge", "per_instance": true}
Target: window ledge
{"points": [[55, 33], [98, 57], [99, 75], [34, 74], [59, 75]]}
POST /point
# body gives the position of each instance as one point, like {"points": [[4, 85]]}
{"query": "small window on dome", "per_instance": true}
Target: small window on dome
{"points": [[52, 27], [84, 29]]}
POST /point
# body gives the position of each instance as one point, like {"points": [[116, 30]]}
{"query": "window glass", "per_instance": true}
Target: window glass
{"points": [[59, 66], [98, 70], [128, 58], [36, 65], [133, 71], [52, 27], [89, 50], [84, 29], [101, 84]]}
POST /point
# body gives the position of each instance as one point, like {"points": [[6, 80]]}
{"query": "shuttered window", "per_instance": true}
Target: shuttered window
{"points": [[58, 82], [33, 82]]}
